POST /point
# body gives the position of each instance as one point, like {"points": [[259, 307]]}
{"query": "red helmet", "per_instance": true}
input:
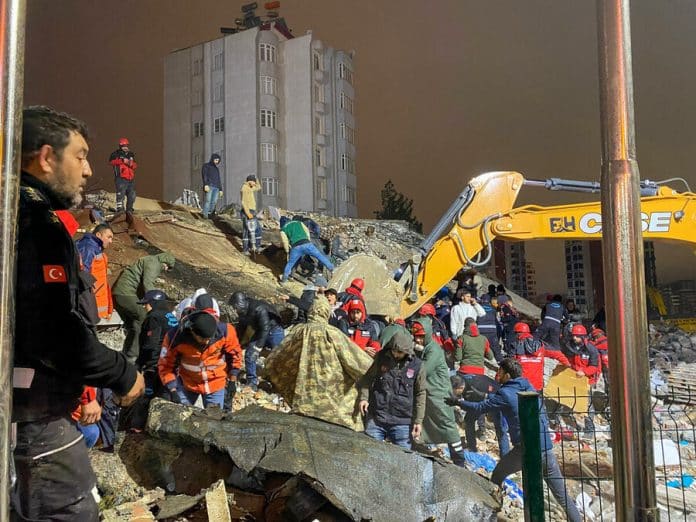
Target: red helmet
{"points": [[417, 330], [358, 283], [578, 330], [521, 327], [427, 309], [123, 142]]}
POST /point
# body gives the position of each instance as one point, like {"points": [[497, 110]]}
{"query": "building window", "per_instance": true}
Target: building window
{"points": [[269, 152], [269, 85], [316, 61], [217, 62], [267, 52], [196, 160], [217, 92], [319, 125], [347, 164], [344, 73], [197, 97], [270, 186], [318, 93], [346, 103], [321, 188], [268, 118], [197, 129], [348, 194], [318, 157], [347, 133], [197, 67], [219, 125]]}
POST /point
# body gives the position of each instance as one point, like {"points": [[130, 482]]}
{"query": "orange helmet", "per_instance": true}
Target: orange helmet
{"points": [[123, 142], [521, 327], [578, 330], [358, 283], [417, 330], [427, 309]]}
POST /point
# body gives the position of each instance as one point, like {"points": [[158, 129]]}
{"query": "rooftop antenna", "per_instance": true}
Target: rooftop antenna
{"points": [[249, 19]]}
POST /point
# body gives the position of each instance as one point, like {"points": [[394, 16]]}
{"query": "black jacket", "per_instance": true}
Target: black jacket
{"points": [[55, 353], [211, 174], [262, 317], [152, 334]]}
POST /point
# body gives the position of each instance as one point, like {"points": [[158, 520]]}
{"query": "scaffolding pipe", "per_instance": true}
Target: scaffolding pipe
{"points": [[622, 244]]}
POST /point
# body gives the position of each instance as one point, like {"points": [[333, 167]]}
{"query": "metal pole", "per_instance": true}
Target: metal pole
{"points": [[532, 477], [622, 243], [12, 17]]}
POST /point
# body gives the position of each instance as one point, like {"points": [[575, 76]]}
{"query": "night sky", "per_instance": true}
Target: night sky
{"points": [[445, 90]]}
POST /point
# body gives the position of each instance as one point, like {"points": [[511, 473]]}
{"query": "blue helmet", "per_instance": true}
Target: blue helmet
{"points": [[153, 295]]}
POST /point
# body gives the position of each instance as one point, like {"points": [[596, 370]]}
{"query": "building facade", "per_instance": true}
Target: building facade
{"points": [[272, 105]]}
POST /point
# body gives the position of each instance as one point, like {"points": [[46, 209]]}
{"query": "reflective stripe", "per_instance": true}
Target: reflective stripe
{"points": [[552, 319], [487, 327], [58, 450], [201, 368]]}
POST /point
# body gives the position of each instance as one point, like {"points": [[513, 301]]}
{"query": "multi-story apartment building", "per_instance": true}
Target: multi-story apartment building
{"points": [[270, 104]]}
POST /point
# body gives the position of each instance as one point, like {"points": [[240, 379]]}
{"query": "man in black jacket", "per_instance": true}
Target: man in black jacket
{"points": [[264, 320], [212, 185], [55, 353]]}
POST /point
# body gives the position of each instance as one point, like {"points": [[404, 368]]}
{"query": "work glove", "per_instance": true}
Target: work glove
{"points": [[452, 400], [206, 188]]}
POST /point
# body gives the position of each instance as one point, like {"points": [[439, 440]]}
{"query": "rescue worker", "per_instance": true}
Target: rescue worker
{"points": [[395, 325], [601, 342], [251, 230], [467, 307], [199, 358], [393, 393], [91, 248], [489, 325], [265, 322], [87, 415], [353, 291], [316, 368], [297, 243], [509, 317], [530, 353], [123, 162], [440, 333], [360, 329], [584, 359], [505, 400], [140, 276], [439, 425], [549, 331], [55, 354], [212, 184]]}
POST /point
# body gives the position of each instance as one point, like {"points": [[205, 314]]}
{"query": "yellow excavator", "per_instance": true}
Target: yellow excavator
{"points": [[485, 211]]}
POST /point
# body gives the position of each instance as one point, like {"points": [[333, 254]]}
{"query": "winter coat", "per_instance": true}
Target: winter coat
{"points": [[316, 367], [138, 278], [389, 332], [95, 261], [585, 358], [505, 400], [154, 328], [601, 342], [439, 425], [211, 173], [531, 353], [261, 317], [202, 370], [123, 163], [473, 350]]}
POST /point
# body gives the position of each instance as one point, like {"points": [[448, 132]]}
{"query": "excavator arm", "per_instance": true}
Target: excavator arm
{"points": [[485, 211]]}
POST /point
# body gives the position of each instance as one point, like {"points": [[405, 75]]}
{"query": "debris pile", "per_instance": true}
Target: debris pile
{"points": [[669, 345]]}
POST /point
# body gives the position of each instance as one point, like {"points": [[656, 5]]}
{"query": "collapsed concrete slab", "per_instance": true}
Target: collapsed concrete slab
{"points": [[362, 478]]}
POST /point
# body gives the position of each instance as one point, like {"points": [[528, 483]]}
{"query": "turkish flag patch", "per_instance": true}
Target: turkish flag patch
{"points": [[54, 274]]}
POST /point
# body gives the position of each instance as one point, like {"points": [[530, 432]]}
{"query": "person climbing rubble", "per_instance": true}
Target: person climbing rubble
{"points": [[316, 367], [198, 359], [251, 229], [212, 185], [297, 244], [94, 260], [393, 393], [261, 318], [123, 162], [509, 376], [136, 278]]}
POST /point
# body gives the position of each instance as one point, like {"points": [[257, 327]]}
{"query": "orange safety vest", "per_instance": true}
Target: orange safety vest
{"points": [[102, 292], [201, 372]]}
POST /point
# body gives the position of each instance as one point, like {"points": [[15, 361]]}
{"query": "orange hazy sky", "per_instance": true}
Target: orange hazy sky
{"points": [[445, 90]]}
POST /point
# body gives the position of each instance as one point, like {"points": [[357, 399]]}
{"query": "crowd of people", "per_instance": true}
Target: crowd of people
{"points": [[402, 380]]}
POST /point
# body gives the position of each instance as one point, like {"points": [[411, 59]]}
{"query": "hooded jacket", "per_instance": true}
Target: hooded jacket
{"points": [[152, 332], [316, 367], [138, 278], [473, 350], [585, 357], [505, 401], [95, 261], [364, 334], [211, 173], [531, 353]]}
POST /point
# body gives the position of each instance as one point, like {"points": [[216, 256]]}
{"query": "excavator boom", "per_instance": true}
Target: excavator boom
{"points": [[485, 211]]}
